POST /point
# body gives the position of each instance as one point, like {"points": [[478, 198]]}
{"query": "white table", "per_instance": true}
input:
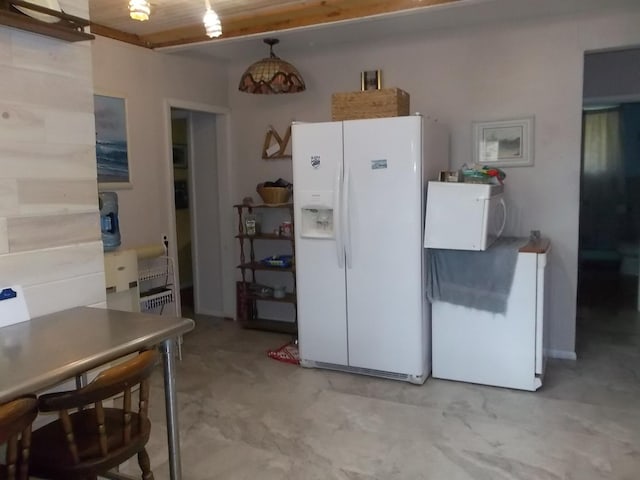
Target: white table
{"points": [[47, 350]]}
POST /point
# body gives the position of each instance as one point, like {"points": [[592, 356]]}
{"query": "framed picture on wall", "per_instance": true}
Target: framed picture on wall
{"points": [[181, 191], [504, 143], [112, 146], [180, 154]]}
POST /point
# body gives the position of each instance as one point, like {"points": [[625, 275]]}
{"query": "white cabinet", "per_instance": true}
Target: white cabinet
{"points": [[121, 278], [146, 285], [504, 350], [141, 285]]}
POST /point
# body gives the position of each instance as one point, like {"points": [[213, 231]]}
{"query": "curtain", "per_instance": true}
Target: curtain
{"points": [[602, 194]]}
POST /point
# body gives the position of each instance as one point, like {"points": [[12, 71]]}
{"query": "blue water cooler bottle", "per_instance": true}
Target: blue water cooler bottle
{"points": [[108, 203]]}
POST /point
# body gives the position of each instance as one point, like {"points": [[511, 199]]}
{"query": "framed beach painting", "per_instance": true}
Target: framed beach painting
{"points": [[504, 143], [112, 152]]}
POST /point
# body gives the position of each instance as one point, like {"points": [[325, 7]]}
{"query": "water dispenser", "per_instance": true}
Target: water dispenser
{"points": [[109, 225], [317, 222]]}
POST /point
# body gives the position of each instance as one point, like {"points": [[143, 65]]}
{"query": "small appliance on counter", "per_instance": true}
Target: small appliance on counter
{"points": [[464, 216]]}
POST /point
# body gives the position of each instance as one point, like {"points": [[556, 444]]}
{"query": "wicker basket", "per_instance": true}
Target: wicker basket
{"points": [[388, 102], [273, 195]]}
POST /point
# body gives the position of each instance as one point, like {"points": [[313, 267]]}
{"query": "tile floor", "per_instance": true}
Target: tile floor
{"points": [[245, 416]]}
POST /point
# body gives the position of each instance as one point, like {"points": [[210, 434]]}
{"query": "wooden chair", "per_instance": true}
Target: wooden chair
{"points": [[95, 439], [16, 418]]}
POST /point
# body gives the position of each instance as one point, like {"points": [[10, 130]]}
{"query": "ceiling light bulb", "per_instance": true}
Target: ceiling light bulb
{"points": [[139, 9], [212, 23]]}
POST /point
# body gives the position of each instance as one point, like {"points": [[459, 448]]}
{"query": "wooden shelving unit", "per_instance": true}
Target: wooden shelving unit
{"points": [[254, 266], [247, 301], [69, 28]]}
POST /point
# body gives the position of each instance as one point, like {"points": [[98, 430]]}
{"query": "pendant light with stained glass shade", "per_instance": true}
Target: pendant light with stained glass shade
{"points": [[271, 75]]}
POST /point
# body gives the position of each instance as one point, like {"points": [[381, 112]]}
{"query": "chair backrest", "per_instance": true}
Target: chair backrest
{"points": [[120, 379], [16, 418]]}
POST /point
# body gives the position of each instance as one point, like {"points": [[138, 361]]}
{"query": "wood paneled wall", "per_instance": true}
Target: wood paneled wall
{"points": [[49, 221]]}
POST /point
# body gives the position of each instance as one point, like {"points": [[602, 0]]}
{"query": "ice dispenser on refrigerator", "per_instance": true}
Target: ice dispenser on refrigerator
{"points": [[317, 222]]}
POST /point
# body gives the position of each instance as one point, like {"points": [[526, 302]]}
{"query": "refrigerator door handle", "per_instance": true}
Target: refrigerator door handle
{"points": [[337, 216], [346, 218]]}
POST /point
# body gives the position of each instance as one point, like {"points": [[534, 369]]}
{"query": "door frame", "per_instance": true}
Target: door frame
{"points": [[223, 165]]}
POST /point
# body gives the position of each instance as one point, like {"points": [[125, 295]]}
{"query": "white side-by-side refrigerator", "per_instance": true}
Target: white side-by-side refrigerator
{"points": [[359, 201]]}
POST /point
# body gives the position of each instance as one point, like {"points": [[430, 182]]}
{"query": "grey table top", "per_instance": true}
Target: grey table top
{"points": [[47, 350]]}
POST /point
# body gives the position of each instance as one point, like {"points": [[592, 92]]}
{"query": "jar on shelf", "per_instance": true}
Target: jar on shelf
{"points": [[286, 229], [251, 224]]}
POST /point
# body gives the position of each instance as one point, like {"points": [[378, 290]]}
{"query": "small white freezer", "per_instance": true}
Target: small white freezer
{"points": [[504, 350], [464, 216]]}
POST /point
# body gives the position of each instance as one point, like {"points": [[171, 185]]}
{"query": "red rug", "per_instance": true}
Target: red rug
{"points": [[287, 353]]}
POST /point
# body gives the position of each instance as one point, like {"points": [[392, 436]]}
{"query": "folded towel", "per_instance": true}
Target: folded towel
{"points": [[480, 280]]}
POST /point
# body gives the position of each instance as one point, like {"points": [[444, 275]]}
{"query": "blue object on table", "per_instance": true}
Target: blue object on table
{"points": [[7, 293], [278, 261]]}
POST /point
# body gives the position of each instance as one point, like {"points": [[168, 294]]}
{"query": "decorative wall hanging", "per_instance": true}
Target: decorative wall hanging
{"points": [[111, 141], [275, 146], [271, 75], [504, 143]]}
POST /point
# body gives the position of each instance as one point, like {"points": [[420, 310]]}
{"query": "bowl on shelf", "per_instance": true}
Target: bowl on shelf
{"points": [[273, 195], [261, 290]]}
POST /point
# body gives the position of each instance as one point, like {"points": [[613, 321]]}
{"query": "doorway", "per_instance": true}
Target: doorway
{"points": [[199, 166], [608, 268], [180, 140], [609, 213], [608, 272]]}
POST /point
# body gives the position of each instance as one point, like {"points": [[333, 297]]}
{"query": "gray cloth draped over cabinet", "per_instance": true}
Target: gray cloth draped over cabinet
{"points": [[480, 280]]}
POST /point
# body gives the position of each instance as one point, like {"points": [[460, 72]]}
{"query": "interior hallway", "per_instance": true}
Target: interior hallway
{"points": [[245, 416]]}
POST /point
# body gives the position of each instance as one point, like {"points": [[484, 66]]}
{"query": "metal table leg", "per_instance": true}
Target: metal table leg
{"points": [[173, 439]]}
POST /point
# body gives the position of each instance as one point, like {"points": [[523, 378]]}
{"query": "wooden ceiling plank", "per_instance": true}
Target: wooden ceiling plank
{"points": [[300, 14]]}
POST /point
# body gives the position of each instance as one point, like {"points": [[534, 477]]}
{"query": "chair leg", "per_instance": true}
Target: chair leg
{"points": [[145, 465]]}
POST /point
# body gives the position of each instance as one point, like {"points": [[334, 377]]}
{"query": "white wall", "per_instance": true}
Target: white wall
{"points": [[49, 222], [147, 79], [458, 76]]}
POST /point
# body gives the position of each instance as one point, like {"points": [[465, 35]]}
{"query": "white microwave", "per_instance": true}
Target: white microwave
{"points": [[464, 216]]}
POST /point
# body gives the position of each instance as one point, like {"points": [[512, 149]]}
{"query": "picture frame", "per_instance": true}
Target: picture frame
{"points": [[181, 194], [371, 80], [504, 143], [180, 155], [112, 142]]}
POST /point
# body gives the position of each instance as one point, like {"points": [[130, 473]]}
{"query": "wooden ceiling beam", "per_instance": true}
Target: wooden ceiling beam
{"points": [[303, 14], [109, 32]]}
